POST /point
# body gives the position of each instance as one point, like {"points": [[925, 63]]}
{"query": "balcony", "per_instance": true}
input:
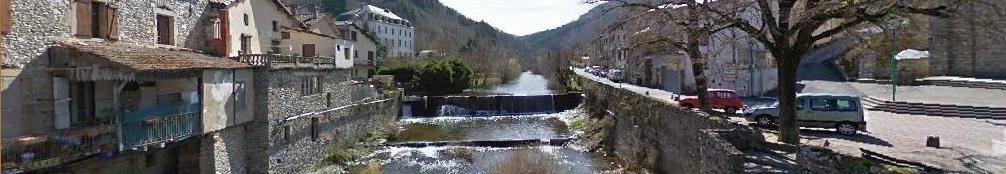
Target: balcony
{"points": [[32, 152], [286, 61], [154, 126]]}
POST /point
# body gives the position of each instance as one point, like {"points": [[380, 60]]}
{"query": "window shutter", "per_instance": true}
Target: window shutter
{"points": [[5, 14], [105, 23], [113, 24], [83, 18]]}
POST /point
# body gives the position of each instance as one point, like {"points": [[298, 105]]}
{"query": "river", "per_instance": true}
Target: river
{"points": [[529, 137]]}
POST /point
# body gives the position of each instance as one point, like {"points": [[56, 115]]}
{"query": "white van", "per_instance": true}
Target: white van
{"points": [[842, 112]]}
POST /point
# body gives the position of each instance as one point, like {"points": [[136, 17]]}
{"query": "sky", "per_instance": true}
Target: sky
{"points": [[521, 17]]}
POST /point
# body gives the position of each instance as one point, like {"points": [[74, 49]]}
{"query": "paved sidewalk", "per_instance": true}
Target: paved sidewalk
{"points": [[921, 94]]}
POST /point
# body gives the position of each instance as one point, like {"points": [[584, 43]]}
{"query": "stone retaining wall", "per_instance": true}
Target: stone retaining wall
{"points": [[664, 137]]}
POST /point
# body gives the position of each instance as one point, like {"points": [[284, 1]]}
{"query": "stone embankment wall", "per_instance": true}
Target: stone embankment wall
{"points": [[661, 136]]}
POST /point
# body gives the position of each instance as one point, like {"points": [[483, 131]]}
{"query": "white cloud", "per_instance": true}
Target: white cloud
{"points": [[521, 17]]}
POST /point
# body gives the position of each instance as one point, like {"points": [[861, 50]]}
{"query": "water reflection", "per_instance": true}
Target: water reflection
{"points": [[527, 84]]}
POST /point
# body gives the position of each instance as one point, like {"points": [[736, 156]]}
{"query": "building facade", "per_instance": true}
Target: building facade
{"points": [[100, 86], [969, 43], [365, 50], [393, 32]]}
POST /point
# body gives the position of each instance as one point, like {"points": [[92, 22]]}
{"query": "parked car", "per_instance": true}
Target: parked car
{"points": [[842, 112], [616, 75], [725, 99]]}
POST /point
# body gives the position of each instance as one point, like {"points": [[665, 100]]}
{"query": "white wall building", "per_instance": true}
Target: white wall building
{"points": [[390, 30]]}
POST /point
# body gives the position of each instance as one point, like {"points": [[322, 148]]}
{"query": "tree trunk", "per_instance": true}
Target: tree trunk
{"points": [[788, 128]]}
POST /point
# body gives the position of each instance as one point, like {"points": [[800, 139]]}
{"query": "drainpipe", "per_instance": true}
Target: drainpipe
{"points": [[117, 102]]}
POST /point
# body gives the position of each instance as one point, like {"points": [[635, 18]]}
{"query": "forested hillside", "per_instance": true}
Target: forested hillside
{"points": [[441, 28]]}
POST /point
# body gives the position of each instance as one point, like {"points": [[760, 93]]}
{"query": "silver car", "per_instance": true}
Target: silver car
{"points": [[842, 112]]}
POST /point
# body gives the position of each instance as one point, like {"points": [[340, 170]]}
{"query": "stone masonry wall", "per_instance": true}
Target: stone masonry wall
{"points": [[665, 137], [971, 42], [225, 151], [282, 144]]}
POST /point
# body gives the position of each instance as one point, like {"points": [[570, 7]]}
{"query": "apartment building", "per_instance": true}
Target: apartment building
{"points": [[395, 33]]}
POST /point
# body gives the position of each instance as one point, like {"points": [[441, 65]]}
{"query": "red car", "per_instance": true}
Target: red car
{"points": [[725, 99]]}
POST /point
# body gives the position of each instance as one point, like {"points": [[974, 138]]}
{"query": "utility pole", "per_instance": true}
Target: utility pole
{"points": [[751, 67]]}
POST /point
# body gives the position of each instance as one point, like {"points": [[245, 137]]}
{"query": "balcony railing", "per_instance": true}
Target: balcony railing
{"points": [[160, 125], [31, 152], [365, 62], [277, 60]]}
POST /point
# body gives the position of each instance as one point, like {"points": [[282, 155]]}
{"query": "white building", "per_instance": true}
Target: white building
{"points": [[390, 30]]}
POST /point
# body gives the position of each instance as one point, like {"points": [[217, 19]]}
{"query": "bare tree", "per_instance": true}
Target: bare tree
{"points": [[789, 29], [697, 29]]}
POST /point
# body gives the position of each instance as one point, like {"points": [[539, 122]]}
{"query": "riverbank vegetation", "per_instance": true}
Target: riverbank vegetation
{"points": [[436, 77]]}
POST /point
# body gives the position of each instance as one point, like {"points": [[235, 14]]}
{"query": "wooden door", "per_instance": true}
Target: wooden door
{"points": [[308, 50]]}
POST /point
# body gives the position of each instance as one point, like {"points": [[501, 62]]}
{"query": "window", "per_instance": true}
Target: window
{"points": [[307, 50], [96, 20], [245, 44], [314, 129], [239, 94], [370, 56], [823, 104], [353, 35], [346, 52], [245, 19], [356, 54], [275, 26], [165, 30], [311, 85], [846, 105], [286, 133]]}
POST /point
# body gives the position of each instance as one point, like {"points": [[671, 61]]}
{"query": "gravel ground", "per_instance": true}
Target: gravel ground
{"points": [[968, 145]]}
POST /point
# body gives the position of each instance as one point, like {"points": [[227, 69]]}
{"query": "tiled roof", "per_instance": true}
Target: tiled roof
{"points": [[138, 58]]}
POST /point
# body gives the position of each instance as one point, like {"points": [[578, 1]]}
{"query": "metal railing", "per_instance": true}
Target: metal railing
{"points": [[269, 60], [160, 125], [31, 152]]}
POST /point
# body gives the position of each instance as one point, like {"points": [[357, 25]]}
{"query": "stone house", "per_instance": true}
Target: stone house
{"points": [[395, 33], [128, 80], [301, 75], [366, 59]]}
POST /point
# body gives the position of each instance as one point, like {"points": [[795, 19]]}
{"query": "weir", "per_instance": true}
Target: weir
{"points": [[474, 106]]}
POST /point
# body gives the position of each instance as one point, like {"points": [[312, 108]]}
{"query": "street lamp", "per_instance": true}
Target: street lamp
{"points": [[895, 23]]}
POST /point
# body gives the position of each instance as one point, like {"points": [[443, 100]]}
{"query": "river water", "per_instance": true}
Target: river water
{"points": [[466, 143]]}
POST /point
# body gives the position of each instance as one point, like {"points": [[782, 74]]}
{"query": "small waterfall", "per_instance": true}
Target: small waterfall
{"points": [[491, 105]]}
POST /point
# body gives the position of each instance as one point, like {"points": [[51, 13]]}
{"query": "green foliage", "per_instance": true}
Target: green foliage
{"points": [[445, 77], [439, 77]]}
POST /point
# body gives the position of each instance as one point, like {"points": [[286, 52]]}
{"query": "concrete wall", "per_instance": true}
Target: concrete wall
{"points": [[664, 137], [323, 46], [227, 98]]}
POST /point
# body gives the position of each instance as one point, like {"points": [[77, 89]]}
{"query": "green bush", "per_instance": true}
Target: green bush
{"points": [[435, 78]]}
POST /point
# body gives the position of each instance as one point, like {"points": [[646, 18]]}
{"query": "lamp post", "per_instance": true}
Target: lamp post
{"points": [[895, 23]]}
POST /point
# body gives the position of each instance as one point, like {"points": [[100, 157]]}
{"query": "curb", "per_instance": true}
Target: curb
{"points": [[930, 109]]}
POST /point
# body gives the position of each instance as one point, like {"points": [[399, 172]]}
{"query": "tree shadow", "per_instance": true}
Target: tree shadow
{"points": [[831, 134], [859, 137]]}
